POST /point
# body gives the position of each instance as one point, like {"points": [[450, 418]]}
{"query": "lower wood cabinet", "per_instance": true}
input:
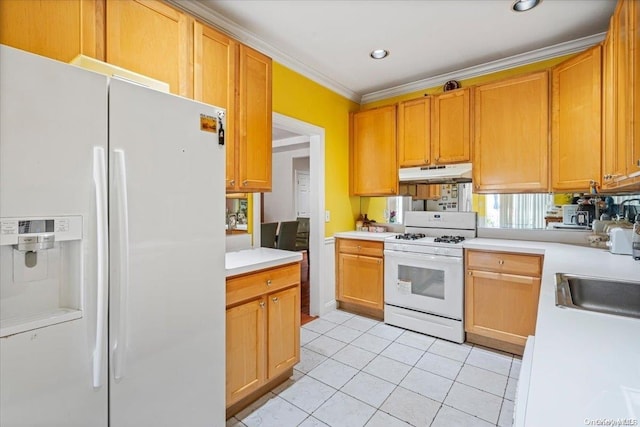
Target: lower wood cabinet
{"points": [[360, 276], [262, 333], [501, 298]]}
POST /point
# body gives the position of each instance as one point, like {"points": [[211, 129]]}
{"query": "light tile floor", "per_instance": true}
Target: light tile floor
{"points": [[355, 371]]}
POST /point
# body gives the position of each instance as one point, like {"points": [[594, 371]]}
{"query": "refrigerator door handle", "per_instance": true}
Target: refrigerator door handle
{"points": [[121, 270], [100, 183]]}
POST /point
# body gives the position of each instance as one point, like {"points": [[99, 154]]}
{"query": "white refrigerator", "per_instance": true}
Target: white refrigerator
{"points": [[112, 276]]}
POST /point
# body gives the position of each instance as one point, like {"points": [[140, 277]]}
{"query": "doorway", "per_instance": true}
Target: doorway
{"points": [[298, 132]]}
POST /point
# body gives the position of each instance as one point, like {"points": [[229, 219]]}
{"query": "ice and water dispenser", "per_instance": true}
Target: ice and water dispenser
{"points": [[41, 263]]}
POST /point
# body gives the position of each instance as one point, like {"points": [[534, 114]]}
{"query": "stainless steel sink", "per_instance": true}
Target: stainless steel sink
{"points": [[618, 297]]}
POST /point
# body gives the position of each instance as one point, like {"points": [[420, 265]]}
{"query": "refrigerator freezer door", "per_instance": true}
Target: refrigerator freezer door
{"points": [[51, 116], [167, 277]]}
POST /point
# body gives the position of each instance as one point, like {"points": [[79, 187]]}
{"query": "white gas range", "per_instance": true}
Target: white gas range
{"points": [[424, 273]]}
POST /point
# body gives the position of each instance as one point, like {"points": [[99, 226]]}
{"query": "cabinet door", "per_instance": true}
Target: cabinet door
{"points": [[373, 152], [511, 138], [414, 132], [623, 96], [361, 280], [255, 121], [56, 29], [576, 122], [501, 306], [451, 127], [150, 38], [284, 330], [214, 78], [613, 155], [246, 364], [634, 164]]}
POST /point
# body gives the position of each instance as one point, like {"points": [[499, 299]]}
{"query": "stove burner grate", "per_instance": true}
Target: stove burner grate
{"points": [[448, 239], [410, 236]]}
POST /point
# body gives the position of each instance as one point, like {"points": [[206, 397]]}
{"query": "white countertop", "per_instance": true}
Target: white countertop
{"points": [[586, 365], [248, 260], [364, 235]]}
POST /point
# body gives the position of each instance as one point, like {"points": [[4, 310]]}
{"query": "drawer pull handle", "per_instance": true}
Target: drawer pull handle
{"points": [[269, 282], [261, 304], [274, 299], [501, 261]]}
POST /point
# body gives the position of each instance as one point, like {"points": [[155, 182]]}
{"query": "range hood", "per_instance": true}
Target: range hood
{"points": [[440, 174]]}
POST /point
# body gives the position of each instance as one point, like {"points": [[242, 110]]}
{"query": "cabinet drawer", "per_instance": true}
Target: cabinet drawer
{"points": [[503, 262], [253, 285], [360, 247]]}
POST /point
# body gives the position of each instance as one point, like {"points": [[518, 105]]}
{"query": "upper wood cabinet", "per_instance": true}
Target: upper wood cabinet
{"points": [[621, 91], [215, 74], [56, 29], [151, 38], [576, 122], [233, 76], [414, 132], [613, 154], [373, 152], [254, 124], [451, 128], [511, 138], [435, 130], [634, 164]]}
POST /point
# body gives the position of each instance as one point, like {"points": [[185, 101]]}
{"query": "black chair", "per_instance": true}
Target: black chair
{"points": [[268, 234], [287, 235], [302, 237]]}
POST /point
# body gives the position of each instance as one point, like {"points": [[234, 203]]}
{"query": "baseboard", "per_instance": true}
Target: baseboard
{"points": [[494, 343]]}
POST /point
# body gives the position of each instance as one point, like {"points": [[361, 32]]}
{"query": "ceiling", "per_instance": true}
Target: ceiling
{"points": [[430, 41]]}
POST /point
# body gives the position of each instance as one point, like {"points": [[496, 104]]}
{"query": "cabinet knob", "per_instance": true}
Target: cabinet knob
{"points": [[245, 182], [359, 247], [477, 187], [501, 261], [232, 183], [269, 282], [470, 273], [261, 304], [437, 159], [638, 163], [379, 261], [274, 299]]}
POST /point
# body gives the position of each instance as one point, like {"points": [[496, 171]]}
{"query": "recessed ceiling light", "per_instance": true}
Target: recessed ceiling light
{"points": [[379, 53], [524, 5]]}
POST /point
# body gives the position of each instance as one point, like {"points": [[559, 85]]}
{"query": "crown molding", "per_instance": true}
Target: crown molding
{"points": [[537, 55], [239, 33], [234, 30]]}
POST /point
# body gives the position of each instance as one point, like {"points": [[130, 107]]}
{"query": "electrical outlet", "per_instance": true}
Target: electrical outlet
{"points": [[327, 216]]}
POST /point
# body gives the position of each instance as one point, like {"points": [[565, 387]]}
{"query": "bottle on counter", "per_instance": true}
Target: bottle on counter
{"points": [[359, 222], [635, 240]]}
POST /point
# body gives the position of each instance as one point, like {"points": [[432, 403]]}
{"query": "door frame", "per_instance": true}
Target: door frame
{"points": [[317, 259]]}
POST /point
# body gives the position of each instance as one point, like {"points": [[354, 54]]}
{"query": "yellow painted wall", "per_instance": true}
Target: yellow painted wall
{"points": [[301, 98]]}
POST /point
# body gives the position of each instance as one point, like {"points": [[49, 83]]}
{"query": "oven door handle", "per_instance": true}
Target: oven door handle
{"points": [[403, 256]]}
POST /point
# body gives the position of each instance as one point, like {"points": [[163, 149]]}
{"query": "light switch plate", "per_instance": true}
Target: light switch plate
{"points": [[327, 216]]}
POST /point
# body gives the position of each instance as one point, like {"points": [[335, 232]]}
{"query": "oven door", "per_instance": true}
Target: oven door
{"points": [[428, 283]]}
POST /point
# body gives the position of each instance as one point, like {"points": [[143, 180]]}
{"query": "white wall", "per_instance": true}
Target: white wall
{"points": [[279, 204]]}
